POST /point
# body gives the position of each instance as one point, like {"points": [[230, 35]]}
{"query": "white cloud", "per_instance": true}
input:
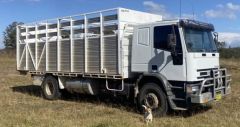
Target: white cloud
{"points": [[160, 9], [189, 16], [233, 7], [157, 9], [229, 11], [232, 39]]}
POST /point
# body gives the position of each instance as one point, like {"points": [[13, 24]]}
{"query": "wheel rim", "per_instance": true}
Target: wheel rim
{"points": [[151, 100], [49, 88]]}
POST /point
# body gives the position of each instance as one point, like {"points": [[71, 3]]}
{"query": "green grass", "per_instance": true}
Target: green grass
{"points": [[22, 105]]}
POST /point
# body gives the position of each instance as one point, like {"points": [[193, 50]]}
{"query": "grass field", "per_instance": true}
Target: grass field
{"points": [[21, 105]]}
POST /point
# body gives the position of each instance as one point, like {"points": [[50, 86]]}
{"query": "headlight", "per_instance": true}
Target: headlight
{"points": [[195, 88], [192, 89]]}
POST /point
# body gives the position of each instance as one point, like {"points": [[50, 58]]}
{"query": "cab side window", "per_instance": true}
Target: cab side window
{"points": [[161, 37]]}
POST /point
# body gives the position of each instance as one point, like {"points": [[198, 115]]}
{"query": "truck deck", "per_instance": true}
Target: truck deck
{"points": [[94, 44]]}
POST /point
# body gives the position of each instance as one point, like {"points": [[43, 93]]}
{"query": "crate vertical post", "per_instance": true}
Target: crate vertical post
{"points": [[58, 45], [119, 45], [47, 47], [71, 43], [27, 54], [101, 44], [36, 46], [85, 44], [18, 47]]}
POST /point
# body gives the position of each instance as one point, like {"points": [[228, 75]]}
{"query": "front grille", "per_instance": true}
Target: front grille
{"points": [[206, 73], [219, 82]]}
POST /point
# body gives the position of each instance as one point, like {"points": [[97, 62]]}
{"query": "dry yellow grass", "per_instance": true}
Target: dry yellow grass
{"points": [[21, 105]]}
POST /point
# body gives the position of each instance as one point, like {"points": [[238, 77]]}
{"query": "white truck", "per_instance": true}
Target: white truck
{"points": [[161, 63]]}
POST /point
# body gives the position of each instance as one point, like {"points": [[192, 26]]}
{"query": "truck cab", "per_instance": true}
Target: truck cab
{"points": [[182, 54]]}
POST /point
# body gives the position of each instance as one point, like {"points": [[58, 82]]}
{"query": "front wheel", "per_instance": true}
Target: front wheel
{"points": [[50, 88], [151, 95]]}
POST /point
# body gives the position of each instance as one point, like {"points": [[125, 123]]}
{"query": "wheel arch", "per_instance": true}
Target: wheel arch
{"points": [[159, 79]]}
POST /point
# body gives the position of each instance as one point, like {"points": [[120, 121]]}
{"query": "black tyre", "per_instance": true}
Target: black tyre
{"points": [[151, 95], [50, 88]]}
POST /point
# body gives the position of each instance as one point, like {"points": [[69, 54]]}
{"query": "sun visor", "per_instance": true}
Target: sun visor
{"points": [[196, 25]]}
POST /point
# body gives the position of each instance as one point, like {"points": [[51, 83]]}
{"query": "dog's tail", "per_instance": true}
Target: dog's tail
{"points": [[145, 107]]}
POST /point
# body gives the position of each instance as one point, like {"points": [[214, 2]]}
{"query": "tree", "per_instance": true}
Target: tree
{"points": [[9, 35], [221, 44]]}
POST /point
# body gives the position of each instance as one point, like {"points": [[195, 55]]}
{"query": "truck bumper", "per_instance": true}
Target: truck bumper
{"points": [[203, 98], [213, 88], [208, 97]]}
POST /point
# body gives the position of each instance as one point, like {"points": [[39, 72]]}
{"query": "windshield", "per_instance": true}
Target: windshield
{"points": [[199, 40]]}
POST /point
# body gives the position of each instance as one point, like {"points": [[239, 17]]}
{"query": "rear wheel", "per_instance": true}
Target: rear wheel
{"points": [[50, 88], [151, 95]]}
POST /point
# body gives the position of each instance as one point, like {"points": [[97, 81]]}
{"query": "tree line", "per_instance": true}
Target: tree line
{"points": [[230, 53], [9, 35]]}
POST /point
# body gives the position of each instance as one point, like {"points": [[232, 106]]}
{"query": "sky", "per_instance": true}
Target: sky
{"points": [[224, 14]]}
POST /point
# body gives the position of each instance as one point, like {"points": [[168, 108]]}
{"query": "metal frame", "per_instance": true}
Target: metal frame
{"points": [[101, 43], [36, 46], [58, 46], [18, 48], [223, 85], [27, 55], [119, 46], [71, 43], [85, 44], [51, 30], [47, 48], [115, 90]]}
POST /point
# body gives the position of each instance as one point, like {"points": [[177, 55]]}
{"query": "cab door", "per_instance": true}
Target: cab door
{"points": [[166, 60]]}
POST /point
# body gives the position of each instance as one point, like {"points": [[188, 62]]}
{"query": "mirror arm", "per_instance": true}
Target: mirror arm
{"points": [[215, 37]]}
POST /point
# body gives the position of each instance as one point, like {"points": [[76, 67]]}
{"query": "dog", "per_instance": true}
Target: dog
{"points": [[148, 117]]}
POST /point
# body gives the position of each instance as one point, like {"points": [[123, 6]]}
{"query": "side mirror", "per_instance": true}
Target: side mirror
{"points": [[172, 42], [215, 34]]}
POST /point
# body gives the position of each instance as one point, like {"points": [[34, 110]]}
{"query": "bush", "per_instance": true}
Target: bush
{"points": [[230, 52]]}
